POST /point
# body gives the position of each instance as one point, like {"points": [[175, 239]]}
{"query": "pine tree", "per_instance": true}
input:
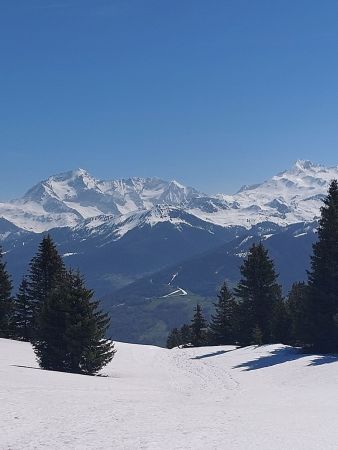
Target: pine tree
{"points": [[198, 328], [70, 333], [185, 333], [281, 323], [174, 338], [6, 302], [322, 305], [257, 336], [222, 326], [46, 269], [297, 310], [23, 313], [257, 292]]}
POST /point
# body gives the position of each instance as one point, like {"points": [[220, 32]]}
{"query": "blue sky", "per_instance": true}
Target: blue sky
{"points": [[213, 93]]}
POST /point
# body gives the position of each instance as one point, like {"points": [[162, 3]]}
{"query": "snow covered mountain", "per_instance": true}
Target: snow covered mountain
{"points": [[69, 199], [292, 196]]}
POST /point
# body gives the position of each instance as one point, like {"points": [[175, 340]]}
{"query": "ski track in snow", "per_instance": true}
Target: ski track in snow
{"points": [[197, 398]]}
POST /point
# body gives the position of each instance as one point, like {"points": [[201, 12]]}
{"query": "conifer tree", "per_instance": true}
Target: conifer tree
{"points": [[46, 269], [297, 310], [198, 328], [6, 302], [322, 305], [281, 323], [23, 313], [70, 333], [185, 333], [257, 336], [174, 338], [222, 325], [257, 292]]}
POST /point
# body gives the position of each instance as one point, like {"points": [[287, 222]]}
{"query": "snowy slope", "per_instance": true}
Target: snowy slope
{"points": [[207, 398], [117, 227]]}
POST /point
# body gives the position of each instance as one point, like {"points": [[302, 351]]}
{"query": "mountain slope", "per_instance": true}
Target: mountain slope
{"points": [[147, 309], [112, 252]]}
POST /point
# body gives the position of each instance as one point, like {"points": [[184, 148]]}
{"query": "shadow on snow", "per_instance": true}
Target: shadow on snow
{"points": [[209, 355], [284, 355]]}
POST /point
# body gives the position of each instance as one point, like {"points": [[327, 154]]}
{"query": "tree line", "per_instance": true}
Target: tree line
{"points": [[55, 311], [255, 312]]}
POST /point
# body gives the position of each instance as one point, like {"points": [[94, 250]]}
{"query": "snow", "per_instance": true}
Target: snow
{"points": [[173, 278], [292, 196], [70, 198], [178, 291], [264, 398]]}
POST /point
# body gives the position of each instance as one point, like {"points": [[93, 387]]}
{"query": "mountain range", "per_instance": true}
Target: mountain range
{"points": [[151, 248], [74, 198]]}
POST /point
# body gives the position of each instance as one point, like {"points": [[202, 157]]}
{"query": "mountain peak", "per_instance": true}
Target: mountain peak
{"points": [[80, 172], [304, 164], [70, 175]]}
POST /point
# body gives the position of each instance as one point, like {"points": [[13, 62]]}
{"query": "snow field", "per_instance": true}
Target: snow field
{"points": [[269, 397]]}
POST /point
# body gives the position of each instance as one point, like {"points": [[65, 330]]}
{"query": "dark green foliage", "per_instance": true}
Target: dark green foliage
{"points": [[198, 328], [280, 323], [174, 338], [322, 305], [257, 292], [6, 302], [179, 337], [222, 327], [23, 313], [185, 332], [45, 272], [70, 333], [257, 336], [297, 310]]}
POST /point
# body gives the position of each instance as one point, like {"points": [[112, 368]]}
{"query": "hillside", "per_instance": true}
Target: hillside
{"points": [[152, 398]]}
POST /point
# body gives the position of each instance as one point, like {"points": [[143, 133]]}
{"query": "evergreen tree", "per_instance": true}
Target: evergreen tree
{"points": [[322, 305], [257, 336], [46, 269], [174, 338], [257, 292], [6, 303], [23, 313], [222, 326], [281, 323], [198, 328], [185, 333], [70, 333], [178, 337], [297, 310]]}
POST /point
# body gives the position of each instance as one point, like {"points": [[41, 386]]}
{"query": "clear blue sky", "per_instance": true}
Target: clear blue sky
{"points": [[214, 93]]}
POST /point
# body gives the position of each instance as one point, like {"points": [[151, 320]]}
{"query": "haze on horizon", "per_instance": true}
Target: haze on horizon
{"points": [[213, 95]]}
